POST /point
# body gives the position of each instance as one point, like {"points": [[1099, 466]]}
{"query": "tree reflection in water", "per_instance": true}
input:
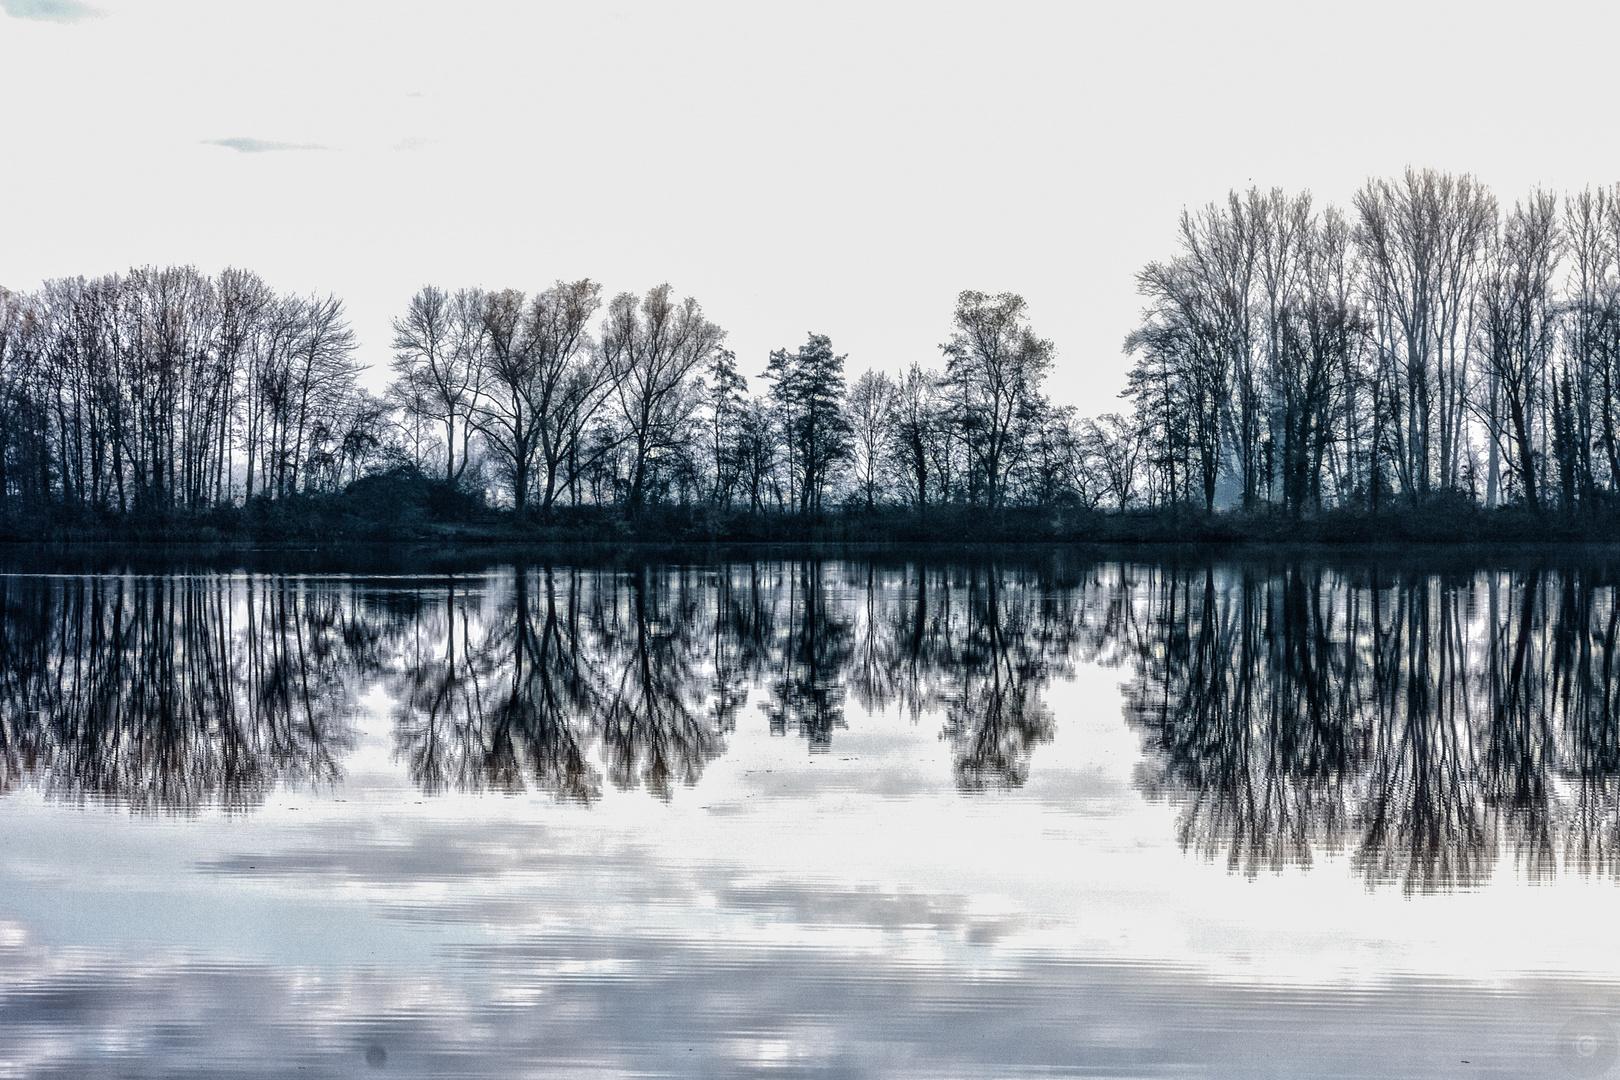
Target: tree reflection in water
{"points": [[556, 677], [486, 702], [1419, 723], [173, 693]]}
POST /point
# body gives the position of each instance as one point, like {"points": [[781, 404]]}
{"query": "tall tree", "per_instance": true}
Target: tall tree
{"points": [[1517, 325], [1116, 445], [323, 370], [1421, 239], [808, 386], [1592, 337], [723, 390], [507, 416], [1219, 267], [652, 345], [871, 416], [913, 432], [439, 348], [1314, 332], [995, 365], [566, 387], [1179, 379]]}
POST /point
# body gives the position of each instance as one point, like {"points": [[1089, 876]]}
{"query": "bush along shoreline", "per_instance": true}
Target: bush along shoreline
{"points": [[404, 505]]}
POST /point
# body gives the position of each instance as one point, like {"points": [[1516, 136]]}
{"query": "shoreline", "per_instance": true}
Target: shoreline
{"points": [[455, 558], [323, 523]]}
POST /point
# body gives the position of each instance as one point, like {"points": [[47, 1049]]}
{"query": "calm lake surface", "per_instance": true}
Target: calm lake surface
{"points": [[913, 817]]}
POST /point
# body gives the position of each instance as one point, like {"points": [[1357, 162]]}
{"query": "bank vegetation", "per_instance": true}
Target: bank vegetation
{"points": [[1428, 363]]}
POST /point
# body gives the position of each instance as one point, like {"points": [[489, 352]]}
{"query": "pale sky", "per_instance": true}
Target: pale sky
{"points": [[845, 169]]}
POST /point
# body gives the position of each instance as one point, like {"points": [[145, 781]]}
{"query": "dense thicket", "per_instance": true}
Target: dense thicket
{"points": [[1427, 345], [1427, 351], [163, 389]]}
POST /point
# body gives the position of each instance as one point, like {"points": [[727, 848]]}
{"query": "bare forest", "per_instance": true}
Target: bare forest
{"points": [[1428, 351]]}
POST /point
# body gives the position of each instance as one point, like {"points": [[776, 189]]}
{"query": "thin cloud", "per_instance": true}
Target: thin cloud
{"points": [[48, 10], [244, 145]]}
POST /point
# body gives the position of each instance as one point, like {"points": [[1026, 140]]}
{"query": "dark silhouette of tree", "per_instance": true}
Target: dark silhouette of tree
{"points": [[1315, 336], [871, 409], [757, 455], [1516, 323], [1592, 334], [915, 419], [440, 349], [651, 346], [509, 414], [808, 387], [995, 365], [727, 440], [1114, 449], [1422, 238], [568, 386], [1180, 381]]}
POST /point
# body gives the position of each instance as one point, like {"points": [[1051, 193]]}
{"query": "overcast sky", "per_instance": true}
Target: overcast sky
{"points": [[839, 168]]}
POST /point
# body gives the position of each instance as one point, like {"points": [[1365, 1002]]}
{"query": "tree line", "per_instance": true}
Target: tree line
{"points": [[652, 407], [1429, 348], [1428, 344], [167, 388]]}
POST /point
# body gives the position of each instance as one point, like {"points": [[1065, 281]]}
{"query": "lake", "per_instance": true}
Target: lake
{"points": [[886, 815]]}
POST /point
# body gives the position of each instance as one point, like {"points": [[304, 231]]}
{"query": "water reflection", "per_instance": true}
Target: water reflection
{"points": [[559, 679], [1418, 723], [174, 693]]}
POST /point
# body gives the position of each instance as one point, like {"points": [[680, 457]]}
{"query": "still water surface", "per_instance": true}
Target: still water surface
{"points": [[855, 818]]}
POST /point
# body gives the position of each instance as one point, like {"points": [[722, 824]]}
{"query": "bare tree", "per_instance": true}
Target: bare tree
{"points": [[871, 408], [1592, 229], [507, 417], [566, 388], [1116, 445], [1422, 238], [135, 392], [439, 347], [1219, 267], [756, 453], [323, 370], [244, 303], [651, 345], [1313, 334], [1517, 325], [913, 431], [1179, 379], [995, 364]]}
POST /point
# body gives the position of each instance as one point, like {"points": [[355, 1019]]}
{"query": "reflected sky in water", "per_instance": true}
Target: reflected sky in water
{"points": [[864, 818]]}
